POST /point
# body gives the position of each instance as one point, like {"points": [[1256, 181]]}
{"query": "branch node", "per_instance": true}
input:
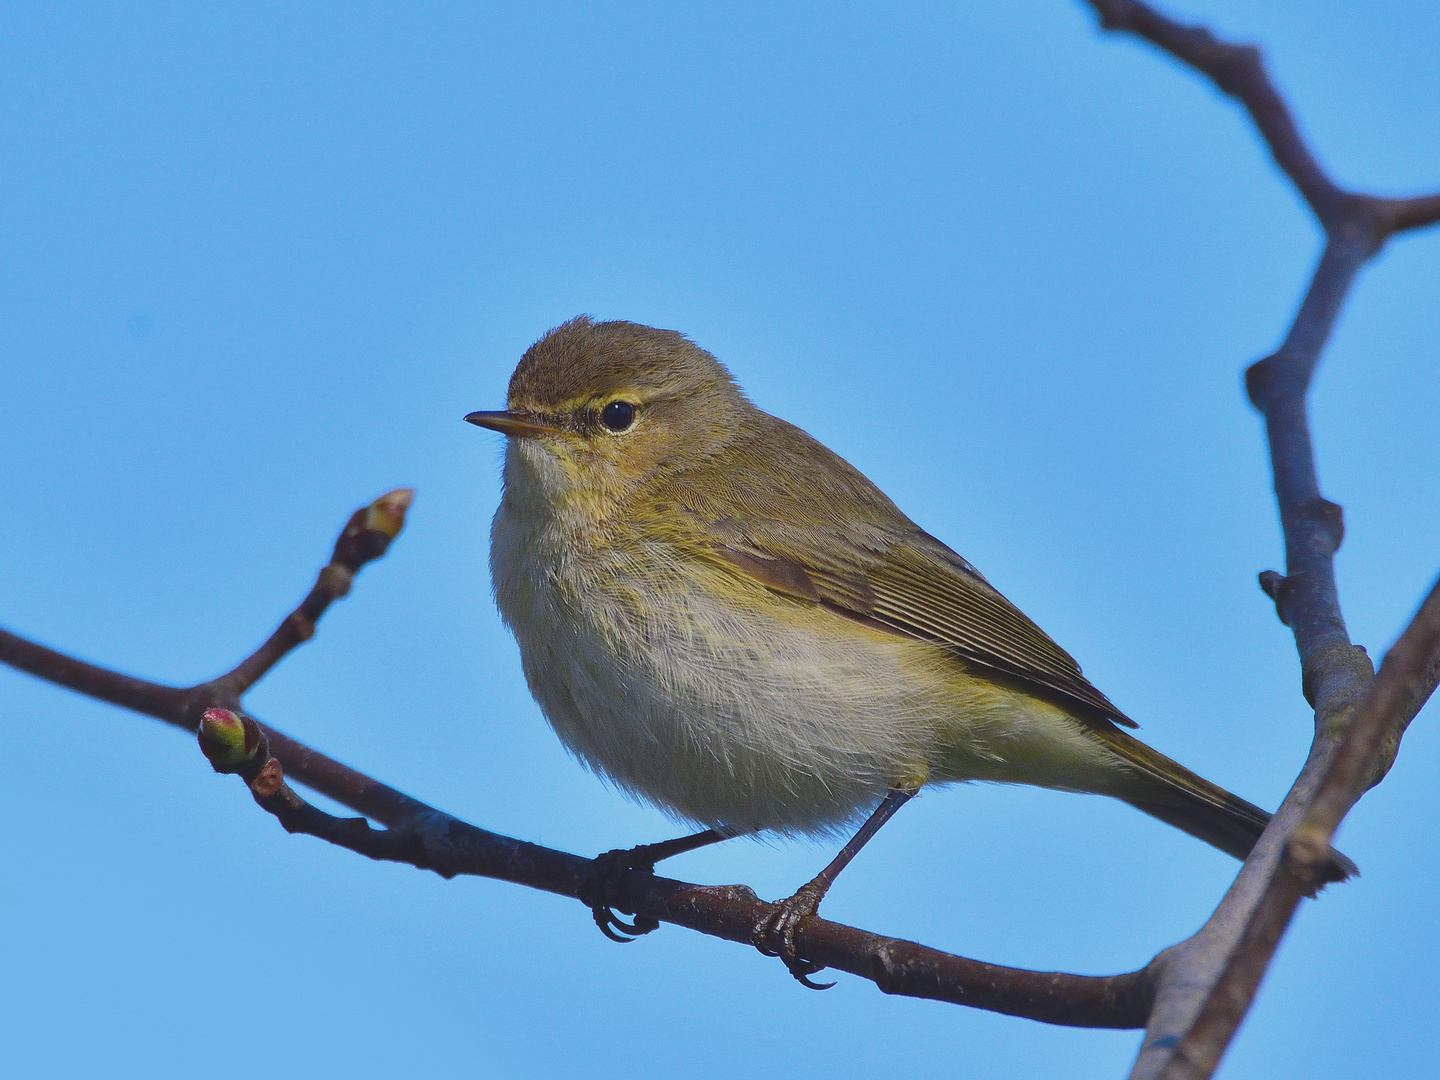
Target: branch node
{"points": [[1327, 519], [883, 973], [1275, 585], [1233, 65], [302, 624], [335, 581], [266, 782], [1333, 675], [1260, 379], [431, 832], [1365, 220], [741, 894]]}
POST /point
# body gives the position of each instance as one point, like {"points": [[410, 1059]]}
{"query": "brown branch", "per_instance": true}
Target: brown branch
{"points": [[1402, 215], [1199, 1002], [1239, 71], [365, 537], [436, 841], [1194, 994], [424, 837], [1384, 710]]}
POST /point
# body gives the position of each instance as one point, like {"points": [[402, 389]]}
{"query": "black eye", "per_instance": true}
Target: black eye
{"points": [[618, 415]]}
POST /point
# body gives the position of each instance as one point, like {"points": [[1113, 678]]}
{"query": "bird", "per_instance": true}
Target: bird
{"points": [[728, 621]]}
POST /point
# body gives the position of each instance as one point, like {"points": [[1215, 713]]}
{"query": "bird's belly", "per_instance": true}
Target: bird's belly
{"points": [[742, 710], [737, 716]]}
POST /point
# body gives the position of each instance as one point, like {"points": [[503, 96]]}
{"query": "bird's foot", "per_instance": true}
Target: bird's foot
{"points": [[600, 884], [774, 935]]}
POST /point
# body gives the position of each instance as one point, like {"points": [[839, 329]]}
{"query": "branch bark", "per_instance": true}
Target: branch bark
{"points": [[1385, 708], [427, 838]]}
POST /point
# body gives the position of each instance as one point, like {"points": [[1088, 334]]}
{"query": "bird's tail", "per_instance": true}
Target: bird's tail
{"points": [[1194, 805]]}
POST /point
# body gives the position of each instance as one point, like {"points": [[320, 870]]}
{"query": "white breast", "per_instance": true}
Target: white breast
{"points": [[714, 713]]}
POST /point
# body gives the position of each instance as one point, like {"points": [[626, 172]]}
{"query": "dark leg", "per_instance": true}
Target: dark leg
{"points": [[775, 934], [602, 880]]}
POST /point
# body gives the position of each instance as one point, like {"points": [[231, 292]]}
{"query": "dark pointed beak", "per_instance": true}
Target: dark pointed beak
{"points": [[520, 424]]}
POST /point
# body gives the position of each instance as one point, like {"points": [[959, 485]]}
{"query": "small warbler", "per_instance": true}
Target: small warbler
{"points": [[729, 621]]}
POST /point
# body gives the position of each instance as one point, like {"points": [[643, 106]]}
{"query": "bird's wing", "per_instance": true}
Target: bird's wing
{"points": [[878, 567]]}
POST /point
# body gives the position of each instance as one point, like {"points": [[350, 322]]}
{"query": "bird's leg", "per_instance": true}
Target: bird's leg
{"points": [[601, 880], [774, 935]]}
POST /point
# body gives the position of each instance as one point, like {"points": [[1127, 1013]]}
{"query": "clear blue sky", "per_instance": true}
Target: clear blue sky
{"points": [[258, 263]]}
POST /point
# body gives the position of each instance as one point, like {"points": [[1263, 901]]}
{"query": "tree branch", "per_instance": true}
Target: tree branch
{"points": [[365, 537], [1239, 71], [1194, 994], [429, 839], [1406, 679], [1198, 991]]}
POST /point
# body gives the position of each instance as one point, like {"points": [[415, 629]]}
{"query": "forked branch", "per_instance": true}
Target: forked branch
{"points": [[1201, 993], [1192, 996]]}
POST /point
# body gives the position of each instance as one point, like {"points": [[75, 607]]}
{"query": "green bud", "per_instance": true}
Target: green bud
{"points": [[227, 738]]}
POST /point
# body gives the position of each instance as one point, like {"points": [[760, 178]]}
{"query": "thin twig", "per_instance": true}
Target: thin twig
{"points": [[1197, 974], [1402, 215], [365, 537], [1239, 70]]}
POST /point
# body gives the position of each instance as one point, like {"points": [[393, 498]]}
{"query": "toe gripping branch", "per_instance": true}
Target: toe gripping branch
{"points": [[601, 889], [602, 886], [775, 934]]}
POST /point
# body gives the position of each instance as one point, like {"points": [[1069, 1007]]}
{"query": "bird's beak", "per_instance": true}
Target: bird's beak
{"points": [[520, 424]]}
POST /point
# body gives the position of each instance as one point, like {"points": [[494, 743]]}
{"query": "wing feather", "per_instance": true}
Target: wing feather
{"points": [[847, 548]]}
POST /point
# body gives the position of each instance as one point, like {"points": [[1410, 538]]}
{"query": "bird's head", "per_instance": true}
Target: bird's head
{"points": [[597, 409]]}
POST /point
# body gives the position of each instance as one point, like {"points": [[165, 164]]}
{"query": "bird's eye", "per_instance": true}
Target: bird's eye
{"points": [[618, 415]]}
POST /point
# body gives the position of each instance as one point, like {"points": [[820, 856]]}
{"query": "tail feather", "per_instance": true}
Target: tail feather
{"points": [[1194, 805], [1234, 831]]}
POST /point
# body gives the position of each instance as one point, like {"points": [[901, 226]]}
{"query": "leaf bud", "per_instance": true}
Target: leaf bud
{"points": [[228, 739], [387, 513]]}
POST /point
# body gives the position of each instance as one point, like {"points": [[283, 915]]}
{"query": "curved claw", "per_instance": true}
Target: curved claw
{"points": [[601, 881], [622, 933], [774, 935], [602, 920], [803, 978], [641, 925], [800, 970]]}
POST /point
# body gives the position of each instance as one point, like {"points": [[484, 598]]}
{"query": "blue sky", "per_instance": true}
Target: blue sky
{"points": [[258, 263]]}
